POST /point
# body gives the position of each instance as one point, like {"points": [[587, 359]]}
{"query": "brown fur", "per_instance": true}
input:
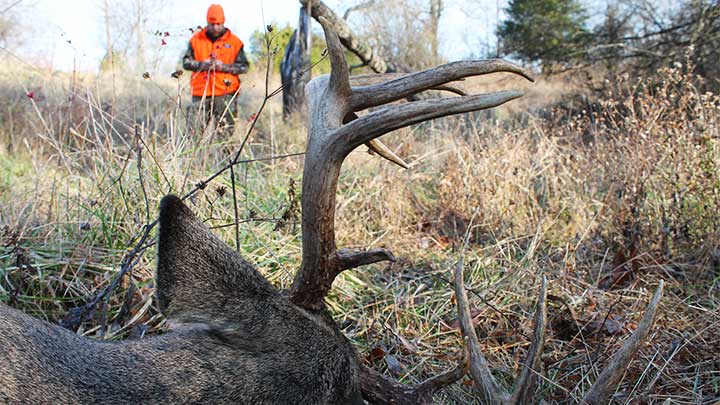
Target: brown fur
{"points": [[236, 339]]}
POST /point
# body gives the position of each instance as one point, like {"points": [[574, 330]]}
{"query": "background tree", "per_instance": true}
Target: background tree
{"points": [[281, 35], [640, 37], [688, 33], [257, 46], [545, 31], [403, 31], [608, 36], [11, 26], [436, 9], [132, 29]]}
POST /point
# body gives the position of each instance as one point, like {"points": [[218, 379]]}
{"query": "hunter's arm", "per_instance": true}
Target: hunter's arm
{"points": [[240, 65], [190, 63]]}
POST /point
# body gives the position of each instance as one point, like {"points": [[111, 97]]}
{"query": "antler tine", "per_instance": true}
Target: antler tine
{"points": [[378, 123], [339, 73], [525, 385], [370, 79], [491, 392], [378, 147], [602, 389], [382, 93], [378, 389], [382, 150]]}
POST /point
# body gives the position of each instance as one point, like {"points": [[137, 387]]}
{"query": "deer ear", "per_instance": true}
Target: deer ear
{"points": [[197, 273]]}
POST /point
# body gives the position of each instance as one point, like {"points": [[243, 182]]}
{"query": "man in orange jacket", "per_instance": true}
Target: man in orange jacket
{"points": [[217, 58]]}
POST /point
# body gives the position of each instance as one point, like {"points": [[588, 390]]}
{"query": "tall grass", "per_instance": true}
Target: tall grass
{"points": [[605, 199]]}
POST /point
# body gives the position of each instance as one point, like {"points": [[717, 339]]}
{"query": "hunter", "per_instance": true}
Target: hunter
{"points": [[217, 58]]}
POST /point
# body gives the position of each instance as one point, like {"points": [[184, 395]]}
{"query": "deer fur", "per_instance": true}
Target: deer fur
{"points": [[235, 338]]}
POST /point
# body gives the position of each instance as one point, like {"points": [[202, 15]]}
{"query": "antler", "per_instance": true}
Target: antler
{"points": [[490, 390], [492, 393], [608, 379], [335, 131]]}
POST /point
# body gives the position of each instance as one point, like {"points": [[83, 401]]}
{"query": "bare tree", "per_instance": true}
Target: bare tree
{"points": [[108, 38], [10, 23], [127, 26], [436, 9], [402, 31], [366, 52]]}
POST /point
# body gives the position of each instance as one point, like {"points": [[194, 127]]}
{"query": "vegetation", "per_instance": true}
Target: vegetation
{"points": [[605, 184], [549, 31], [280, 36], [604, 202]]}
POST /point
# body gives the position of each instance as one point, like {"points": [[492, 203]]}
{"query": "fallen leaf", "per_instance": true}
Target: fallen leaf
{"points": [[377, 353], [455, 324]]}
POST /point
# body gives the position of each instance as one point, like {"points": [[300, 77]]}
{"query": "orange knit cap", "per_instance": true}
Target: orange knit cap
{"points": [[215, 14]]}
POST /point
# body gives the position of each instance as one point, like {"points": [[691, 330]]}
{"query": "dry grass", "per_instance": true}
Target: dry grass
{"points": [[605, 202]]}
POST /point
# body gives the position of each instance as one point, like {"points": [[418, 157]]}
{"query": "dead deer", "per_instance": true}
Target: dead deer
{"points": [[236, 338]]}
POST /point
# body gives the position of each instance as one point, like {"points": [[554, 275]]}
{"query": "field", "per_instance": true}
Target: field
{"points": [[604, 186]]}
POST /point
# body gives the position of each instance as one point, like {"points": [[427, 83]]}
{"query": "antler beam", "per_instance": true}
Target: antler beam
{"points": [[490, 390], [378, 123]]}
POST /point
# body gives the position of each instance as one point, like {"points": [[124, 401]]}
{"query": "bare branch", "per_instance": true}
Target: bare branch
{"points": [[357, 7], [525, 385], [491, 393], [381, 122], [378, 389], [607, 381], [367, 54], [377, 94]]}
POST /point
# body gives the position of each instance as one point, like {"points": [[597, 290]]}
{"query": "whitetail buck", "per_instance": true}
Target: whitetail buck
{"points": [[235, 338]]}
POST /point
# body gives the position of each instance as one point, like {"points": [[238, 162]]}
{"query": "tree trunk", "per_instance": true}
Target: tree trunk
{"points": [[435, 13], [295, 67]]}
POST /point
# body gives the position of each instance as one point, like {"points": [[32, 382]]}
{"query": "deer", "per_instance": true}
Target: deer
{"points": [[234, 337]]}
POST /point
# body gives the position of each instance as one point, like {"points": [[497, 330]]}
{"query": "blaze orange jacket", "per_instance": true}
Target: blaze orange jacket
{"points": [[225, 49]]}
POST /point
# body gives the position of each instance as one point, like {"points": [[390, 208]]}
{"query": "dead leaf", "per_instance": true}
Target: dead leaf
{"points": [[406, 347], [455, 324], [377, 353], [607, 325], [625, 269]]}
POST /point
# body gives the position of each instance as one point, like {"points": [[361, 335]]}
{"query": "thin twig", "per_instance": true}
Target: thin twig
{"points": [[140, 174], [235, 209]]}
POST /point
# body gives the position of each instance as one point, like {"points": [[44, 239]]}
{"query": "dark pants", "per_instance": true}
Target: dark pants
{"points": [[223, 108]]}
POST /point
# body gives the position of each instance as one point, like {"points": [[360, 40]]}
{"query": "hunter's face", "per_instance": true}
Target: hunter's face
{"points": [[215, 30]]}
